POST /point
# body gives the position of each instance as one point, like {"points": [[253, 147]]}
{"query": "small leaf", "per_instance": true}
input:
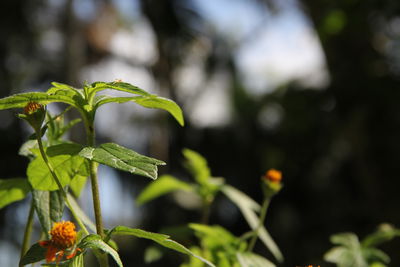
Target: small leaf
{"points": [[163, 185], [124, 159], [12, 190], [161, 239], [197, 165], [248, 259], [34, 254], [49, 206], [95, 242]]}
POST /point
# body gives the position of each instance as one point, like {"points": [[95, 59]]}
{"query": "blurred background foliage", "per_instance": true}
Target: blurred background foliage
{"points": [[308, 87]]}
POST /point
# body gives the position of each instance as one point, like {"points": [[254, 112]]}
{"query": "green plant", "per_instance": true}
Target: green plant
{"points": [[350, 252], [216, 243], [58, 170]]}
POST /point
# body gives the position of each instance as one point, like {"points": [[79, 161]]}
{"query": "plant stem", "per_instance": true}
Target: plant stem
{"points": [[28, 231], [206, 212], [54, 175], [103, 259], [95, 184], [264, 209]]}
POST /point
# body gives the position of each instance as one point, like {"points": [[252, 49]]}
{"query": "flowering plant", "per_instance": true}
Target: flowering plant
{"points": [[58, 170]]}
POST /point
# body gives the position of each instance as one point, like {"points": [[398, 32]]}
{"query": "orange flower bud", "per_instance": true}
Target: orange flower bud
{"points": [[273, 175], [32, 107]]}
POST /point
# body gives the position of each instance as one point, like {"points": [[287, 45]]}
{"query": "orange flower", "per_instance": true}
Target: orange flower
{"points": [[31, 107], [63, 238], [273, 176]]}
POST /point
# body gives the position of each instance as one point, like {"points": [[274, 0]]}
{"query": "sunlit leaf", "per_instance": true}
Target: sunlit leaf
{"points": [[148, 101], [122, 158], [12, 190], [20, 100], [95, 242], [161, 239], [163, 185], [119, 86]]}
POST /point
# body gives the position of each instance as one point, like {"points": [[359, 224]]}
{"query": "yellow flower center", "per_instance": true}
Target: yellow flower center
{"points": [[273, 175], [63, 234], [31, 107]]}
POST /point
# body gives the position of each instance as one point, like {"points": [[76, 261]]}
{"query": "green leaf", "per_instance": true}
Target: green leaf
{"points": [[95, 242], [349, 240], [81, 214], [124, 159], [12, 190], [119, 86], [248, 259], [145, 99], [240, 199], [49, 206], [163, 185], [197, 165], [218, 234], [34, 254], [21, 100], [248, 208], [61, 87], [349, 254], [161, 239], [66, 163], [149, 101], [158, 102]]}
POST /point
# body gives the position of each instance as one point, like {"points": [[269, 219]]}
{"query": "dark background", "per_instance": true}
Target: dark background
{"points": [[337, 146]]}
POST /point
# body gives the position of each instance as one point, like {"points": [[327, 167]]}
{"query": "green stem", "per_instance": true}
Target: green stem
{"points": [[54, 175], [206, 212], [264, 209], [103, 259], [95, 184], [28, 231]]}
